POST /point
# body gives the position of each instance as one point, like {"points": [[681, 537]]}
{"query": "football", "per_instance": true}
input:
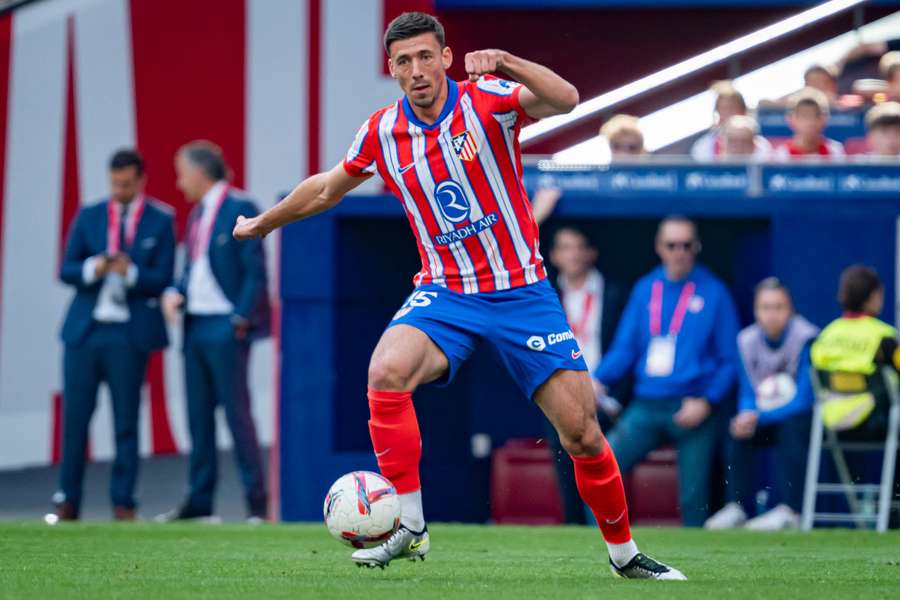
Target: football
{"points": [[362, 509]]}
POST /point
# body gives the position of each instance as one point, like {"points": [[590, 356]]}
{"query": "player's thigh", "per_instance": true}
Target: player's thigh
{"points": [[567, 400], [404, 358]]}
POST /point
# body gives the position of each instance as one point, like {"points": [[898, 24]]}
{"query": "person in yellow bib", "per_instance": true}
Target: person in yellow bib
{"points": [[856, 344], [849, 349]]}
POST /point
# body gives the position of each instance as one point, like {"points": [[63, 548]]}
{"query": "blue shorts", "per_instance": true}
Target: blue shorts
{"points": [[526, 326]]}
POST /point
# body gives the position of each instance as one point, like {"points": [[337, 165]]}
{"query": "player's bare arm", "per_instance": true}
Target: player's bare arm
{"points": [[312, 196], [545, 94]]}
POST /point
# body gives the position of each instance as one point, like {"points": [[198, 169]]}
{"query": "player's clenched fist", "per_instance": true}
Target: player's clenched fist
{"points": [[481, 62], [247, 229]]}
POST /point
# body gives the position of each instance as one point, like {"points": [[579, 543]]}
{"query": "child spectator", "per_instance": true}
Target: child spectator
{"points": [[889, 67], [774, 409], [729, 103], [807, 117], [741, 139], [623, 134], [883, 129]]}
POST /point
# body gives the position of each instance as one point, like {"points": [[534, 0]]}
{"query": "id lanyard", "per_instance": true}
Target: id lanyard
{"points": [[580, 328], [113, 241], [201, 233], [656, 301]]}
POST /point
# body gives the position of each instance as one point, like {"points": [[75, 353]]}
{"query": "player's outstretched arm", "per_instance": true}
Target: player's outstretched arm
{"points": [[545, 94], [312, 196]]}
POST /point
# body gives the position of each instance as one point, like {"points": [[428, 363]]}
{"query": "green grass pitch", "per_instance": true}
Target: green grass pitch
{"points": [[302, 561]]}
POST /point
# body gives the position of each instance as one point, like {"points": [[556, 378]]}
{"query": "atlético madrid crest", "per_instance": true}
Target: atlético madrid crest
{"points": [[465, 146]]}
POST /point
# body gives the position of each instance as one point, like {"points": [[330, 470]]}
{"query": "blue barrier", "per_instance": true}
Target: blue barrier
{"points": [[344, 273]]}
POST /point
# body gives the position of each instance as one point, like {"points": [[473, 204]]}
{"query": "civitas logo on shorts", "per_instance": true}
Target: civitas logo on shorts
{"points": [[537, 342]]}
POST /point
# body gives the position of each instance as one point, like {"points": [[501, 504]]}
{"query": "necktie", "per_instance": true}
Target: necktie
{"points": [[195, 231], [123, 219]]}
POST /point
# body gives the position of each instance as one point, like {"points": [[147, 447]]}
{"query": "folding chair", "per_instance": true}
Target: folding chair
{"points": [[883, 381]]}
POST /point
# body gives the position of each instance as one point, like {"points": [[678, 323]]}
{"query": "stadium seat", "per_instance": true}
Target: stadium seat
{"points": [[524, 487], [882, 381], [652, 489]]}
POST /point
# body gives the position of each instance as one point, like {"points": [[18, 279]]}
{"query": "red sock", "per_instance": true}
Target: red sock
{"points": [[600, 485], [396, 438]]}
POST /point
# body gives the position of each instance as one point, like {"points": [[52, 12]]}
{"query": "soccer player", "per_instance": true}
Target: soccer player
{"points": [[449, 151]]}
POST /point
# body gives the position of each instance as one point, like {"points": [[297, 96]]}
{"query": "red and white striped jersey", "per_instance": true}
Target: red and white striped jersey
{"points": [[460, 182]]}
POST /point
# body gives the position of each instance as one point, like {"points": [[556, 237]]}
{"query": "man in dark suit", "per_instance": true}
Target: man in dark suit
{"points": [[119, 258], [223, 294]]}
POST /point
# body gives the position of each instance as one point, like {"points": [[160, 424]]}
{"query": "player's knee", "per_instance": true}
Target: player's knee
{"points": [[586, 440], [387, 374]]}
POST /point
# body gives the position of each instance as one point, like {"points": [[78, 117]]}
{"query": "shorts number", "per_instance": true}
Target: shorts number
{"points": [[421, 299], [417, 299]]}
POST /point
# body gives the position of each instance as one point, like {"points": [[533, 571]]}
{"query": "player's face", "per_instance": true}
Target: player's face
{"points": [[677, 247], [885, 140], [191, 180], [772, 310], [807, 121], [571, 254], [125, 184], [419, 65]]}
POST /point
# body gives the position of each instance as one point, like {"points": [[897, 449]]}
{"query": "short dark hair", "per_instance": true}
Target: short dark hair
{"points": [[127, 157], [411, 24], [811, 97], [772, 283], [207, 157], [858, 283], [678, 219]]}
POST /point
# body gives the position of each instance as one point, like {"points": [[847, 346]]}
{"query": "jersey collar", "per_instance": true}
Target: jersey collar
{"points": [[449, 104]]}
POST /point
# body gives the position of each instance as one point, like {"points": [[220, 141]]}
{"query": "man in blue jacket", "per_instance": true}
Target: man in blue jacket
{"points": [[677, 335], [119, 258], [223, 293], [774, 409]]}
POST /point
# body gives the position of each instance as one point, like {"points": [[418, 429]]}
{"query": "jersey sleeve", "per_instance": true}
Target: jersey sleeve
{"points": [[500, 95], [360, 158]]}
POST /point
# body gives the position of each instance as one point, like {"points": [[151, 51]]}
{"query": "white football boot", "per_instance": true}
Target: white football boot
{"points": [[405, 543]]}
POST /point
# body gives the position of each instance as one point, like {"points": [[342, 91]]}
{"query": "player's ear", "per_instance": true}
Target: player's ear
{"points": [[391, 68], [447, 57]]}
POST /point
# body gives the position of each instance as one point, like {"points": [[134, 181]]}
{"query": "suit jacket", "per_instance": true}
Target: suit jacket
{"points": [[152, 252], [239, 267]]}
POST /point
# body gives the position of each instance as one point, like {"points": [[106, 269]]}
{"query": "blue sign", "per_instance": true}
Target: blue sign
{"points": [[857, 180], [722, 181], [646, 180]]}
